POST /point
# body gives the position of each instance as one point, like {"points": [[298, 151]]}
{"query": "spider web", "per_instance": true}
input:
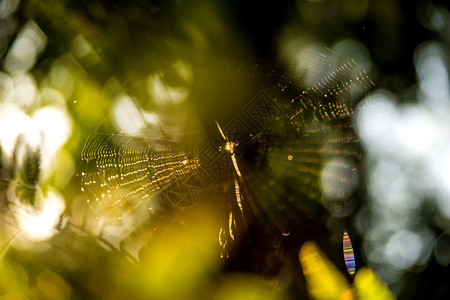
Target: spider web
{"points": [[125, 171], [297, 124]]}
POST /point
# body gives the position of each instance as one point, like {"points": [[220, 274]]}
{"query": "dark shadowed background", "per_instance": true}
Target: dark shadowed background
{"points": [[70, 69]]}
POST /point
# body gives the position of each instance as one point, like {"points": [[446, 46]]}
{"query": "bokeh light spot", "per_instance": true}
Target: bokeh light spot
{"points": [[40, 223], [128, 117], [25, 49], [403, 249], [338, 178], [25, 90], [442, 249]]}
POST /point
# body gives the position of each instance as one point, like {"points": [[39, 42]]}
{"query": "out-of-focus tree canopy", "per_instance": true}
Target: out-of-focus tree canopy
{"points": [[224, 149]]}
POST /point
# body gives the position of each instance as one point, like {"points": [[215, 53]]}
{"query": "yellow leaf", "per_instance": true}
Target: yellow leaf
{"points": [[368, 286], [323, 278]]}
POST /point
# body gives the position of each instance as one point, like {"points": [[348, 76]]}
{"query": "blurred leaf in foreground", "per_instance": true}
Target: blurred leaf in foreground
{"points": [[324, 280]]}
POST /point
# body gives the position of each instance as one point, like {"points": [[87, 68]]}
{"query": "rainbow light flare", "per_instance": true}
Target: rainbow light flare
{"points": [[349, 256]]}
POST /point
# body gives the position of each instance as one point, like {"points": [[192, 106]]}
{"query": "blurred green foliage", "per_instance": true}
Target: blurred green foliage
{"points": [[85, 55]]}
